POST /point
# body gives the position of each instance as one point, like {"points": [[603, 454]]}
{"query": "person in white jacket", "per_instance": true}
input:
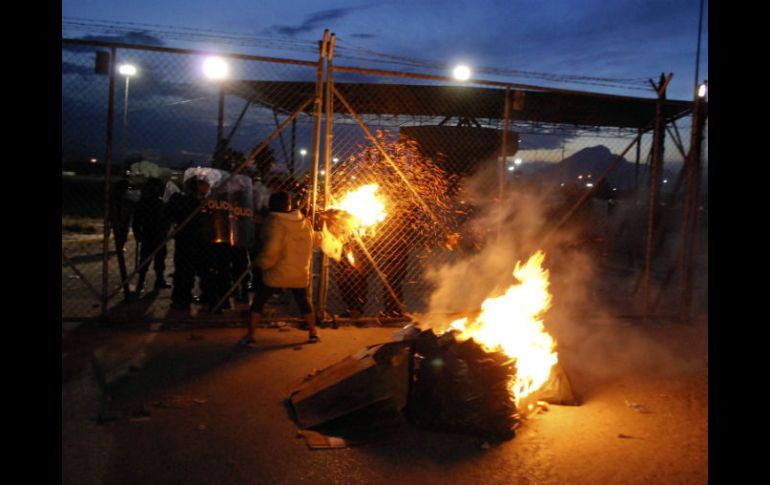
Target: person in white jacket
{"points": [[285, 261]]}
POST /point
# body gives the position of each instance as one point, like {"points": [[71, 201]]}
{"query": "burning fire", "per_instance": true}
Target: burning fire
{"points": [[364, 205], [512, 323]]}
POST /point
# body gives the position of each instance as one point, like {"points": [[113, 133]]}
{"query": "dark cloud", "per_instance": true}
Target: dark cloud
{"points": [[136, 37], [313, 21]]}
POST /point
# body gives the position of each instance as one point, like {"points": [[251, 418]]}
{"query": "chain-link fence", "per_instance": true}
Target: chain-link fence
{"points": [[456, 166]]}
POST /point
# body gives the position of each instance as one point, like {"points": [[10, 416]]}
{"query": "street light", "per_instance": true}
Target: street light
{"points": [[127, 70], [703, 89], [216, 69], [462, 72], [303, 152]]}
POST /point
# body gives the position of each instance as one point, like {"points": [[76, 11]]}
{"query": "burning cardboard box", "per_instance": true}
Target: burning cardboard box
{"points": [[480, 376]]}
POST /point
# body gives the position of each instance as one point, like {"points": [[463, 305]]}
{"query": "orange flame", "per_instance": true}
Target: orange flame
{"points": [[364, 205], [512, 323]]}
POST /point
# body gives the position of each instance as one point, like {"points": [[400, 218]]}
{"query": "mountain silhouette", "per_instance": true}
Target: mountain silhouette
{"points": [[593, 161]]}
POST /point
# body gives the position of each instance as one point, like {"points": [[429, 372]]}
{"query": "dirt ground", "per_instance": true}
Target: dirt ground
{"points": [[182, 406]]}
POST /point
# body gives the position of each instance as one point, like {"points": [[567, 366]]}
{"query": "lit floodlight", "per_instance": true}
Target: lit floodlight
{"points": [[303, 152], [589, 184], [462, 72], [517, 161], [127, 69], [511, 168], [215, 68], [93, 160], [702, 89]]}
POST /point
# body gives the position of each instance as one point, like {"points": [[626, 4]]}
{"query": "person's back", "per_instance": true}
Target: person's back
{"points": [[285, 258], [285, 263]]}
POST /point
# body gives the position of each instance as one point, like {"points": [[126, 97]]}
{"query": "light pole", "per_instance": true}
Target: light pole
{"points": [[127, 70], [216, 69]]}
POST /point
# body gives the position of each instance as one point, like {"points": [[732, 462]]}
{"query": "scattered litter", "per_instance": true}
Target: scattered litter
{"points": [[627, 437], [284, 329], [298, 347], [277, 324], [199, 401], [195, 336], [637, 407], [318, 441], [137, 419], [201, 427], [485, 445]]}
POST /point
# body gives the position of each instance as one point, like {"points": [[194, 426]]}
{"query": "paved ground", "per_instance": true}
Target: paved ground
{"points": [[188, 406]]}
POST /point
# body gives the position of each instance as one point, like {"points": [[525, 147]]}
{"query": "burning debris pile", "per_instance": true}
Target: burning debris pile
{"points": [[460, 387], [478, 377]]}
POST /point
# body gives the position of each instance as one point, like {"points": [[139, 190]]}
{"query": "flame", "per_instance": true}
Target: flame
{"points": [[351, 259], [364, 205], [512, 323]]}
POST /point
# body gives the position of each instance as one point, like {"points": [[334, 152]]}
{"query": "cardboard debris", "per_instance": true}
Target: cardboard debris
{"points": [[436, 381], [318, 441], [373, 375]]}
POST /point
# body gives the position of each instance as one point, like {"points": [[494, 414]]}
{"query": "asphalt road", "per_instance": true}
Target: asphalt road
{"points": [[180, 405]]}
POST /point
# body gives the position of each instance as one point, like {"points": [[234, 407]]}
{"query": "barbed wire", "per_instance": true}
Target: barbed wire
{"points": [[343, 49]]}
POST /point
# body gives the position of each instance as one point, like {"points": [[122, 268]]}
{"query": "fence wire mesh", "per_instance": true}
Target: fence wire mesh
{"points": [[435, 154]]}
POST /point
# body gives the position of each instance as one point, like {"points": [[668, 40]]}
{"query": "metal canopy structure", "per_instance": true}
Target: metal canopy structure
{"points": [[582, 109]]}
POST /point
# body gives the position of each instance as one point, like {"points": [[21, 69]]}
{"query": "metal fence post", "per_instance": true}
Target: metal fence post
{"points": [[323, 285], [317, 113], [107, 182], [690, 216], [654, 187]]}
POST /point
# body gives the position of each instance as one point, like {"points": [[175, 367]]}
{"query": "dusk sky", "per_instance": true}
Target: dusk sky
{"points": [[627, 40]]}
